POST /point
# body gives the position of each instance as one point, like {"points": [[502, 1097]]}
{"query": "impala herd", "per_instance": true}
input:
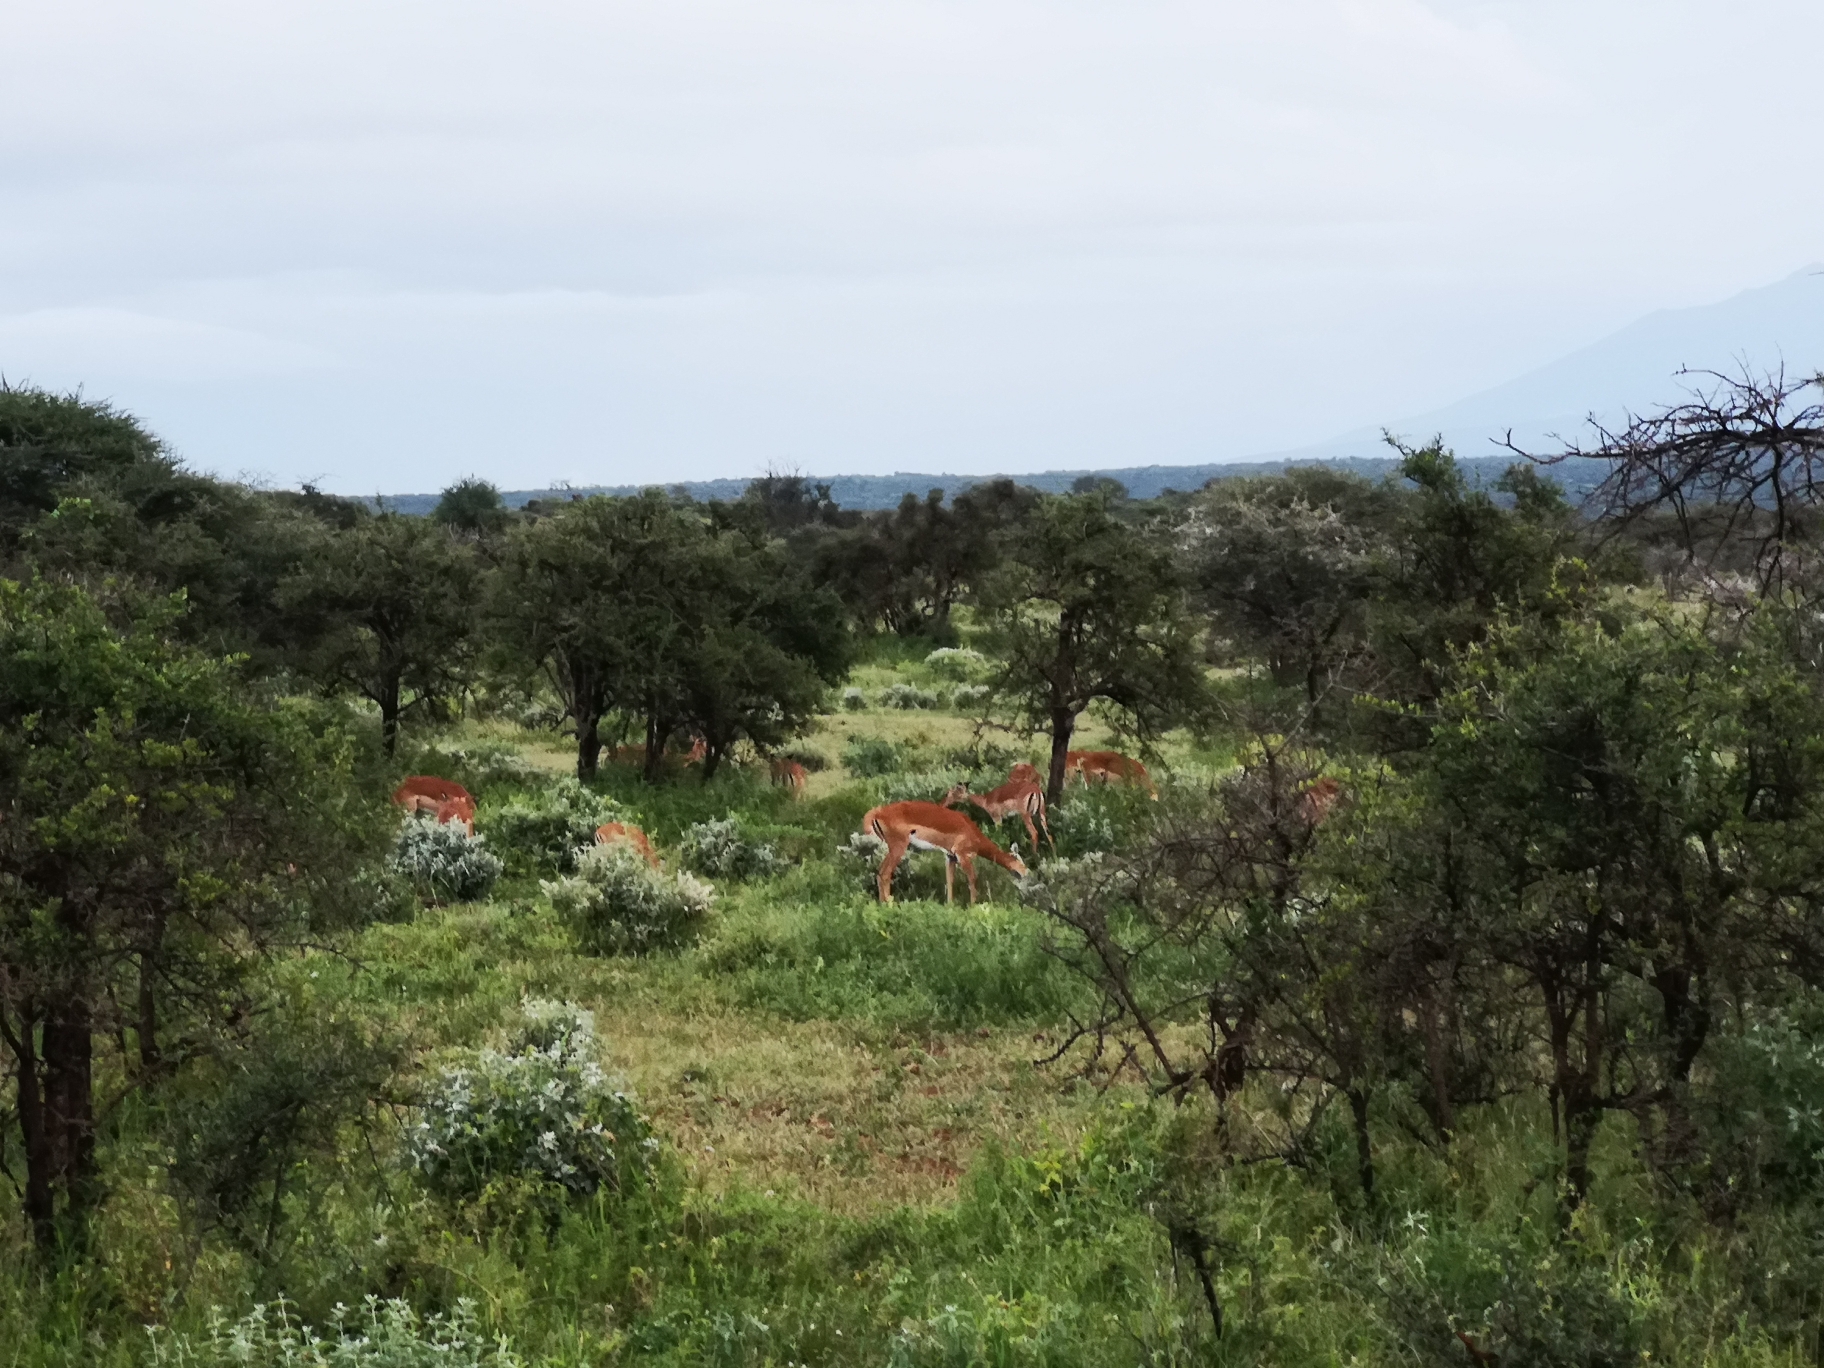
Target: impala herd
{"points": [[903, 827]]}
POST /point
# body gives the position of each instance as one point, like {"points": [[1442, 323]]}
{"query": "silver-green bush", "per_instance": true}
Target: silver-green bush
{"points": [[620, 905], [383, 1334], [540, 831], [955, 662], [539, 1109], [908, 697], [721, 850], [444, 861]]}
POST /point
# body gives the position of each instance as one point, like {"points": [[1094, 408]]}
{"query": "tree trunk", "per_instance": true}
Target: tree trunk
{"points": [[151, 1062], [34, 1131], [712, 757], [657, 734], [588, 745], [56, 1118], [389, 714], [1437, 1061], [1063, 726], [1364, 1143]]}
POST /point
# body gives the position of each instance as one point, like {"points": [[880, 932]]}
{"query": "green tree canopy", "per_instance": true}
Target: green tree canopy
{"points": [[1085, 607], [160, 829]]}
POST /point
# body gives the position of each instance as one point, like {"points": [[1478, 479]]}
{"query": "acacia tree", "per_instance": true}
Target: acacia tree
{"points": [[387, 609], [156, 839], [767, 648], [1740, 465], [1086, 607], [1286, 565]]}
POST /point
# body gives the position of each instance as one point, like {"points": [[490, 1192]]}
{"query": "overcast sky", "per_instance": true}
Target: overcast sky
{"points": [[384, 245]]}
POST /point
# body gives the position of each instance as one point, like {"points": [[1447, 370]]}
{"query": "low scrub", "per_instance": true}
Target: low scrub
{"points": [[443, 861], [539, 831], [868, 757], [721, 849], [620, 905], [382, 1334], [909, 697], [539, 1110], [956, 662]]}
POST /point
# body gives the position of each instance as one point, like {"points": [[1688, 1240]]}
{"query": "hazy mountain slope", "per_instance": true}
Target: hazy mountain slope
{"points": [[1633, 369]]}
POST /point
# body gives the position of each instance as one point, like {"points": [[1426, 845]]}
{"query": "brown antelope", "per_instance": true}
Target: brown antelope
{"points": [[1024, 773], [931, 826], [1015, 797], [790, 774], [428, 786], [458, 808], [629, 835], [1316, 799], [1107, 767]]}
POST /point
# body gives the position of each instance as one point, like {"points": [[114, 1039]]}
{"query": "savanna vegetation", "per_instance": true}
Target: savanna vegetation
{"points": [[1451, 991]]}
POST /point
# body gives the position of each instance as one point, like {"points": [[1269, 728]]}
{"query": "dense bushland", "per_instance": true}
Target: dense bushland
{"points": [[1458, 999]]}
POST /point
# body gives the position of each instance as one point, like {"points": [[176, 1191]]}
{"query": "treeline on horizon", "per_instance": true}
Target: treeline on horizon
{"points": [[1571, 888]]}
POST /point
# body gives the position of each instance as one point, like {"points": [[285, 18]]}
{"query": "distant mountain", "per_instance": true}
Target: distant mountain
{"points": [[1633, 370], [885, 491]]}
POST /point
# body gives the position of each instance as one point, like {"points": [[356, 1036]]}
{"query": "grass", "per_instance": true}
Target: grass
{"points": [[863, 1164]]}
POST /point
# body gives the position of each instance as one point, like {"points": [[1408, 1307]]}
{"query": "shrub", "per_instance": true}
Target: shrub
{"points": [[908, 697], [620, 905], [953, 662], [859, 858], [866, 757], [444, 861], [539, 832], [541, 1109], [854, 700], [384, 1334], [721, 850], [968, 697]]}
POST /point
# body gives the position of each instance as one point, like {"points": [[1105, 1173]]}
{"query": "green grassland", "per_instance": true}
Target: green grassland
{"points": [[864, 1157]]}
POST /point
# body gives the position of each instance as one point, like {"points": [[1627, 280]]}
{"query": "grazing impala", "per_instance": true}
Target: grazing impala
{"points": [[790, 774], [931, 826], [459, 807], [1316, 799], [629, 835], [1107, 767], [1016, 797], [1024, 773], [428, 786]]}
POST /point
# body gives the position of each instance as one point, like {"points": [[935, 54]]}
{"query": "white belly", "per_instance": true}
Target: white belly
{"points": [[918, 842]]}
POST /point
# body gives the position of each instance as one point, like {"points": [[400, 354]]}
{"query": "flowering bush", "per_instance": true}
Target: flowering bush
{"points": [[864, 757], [386, 1334], [620, 905], [966, 697], [908, 696], [540, 1109], [540, 832], [722, 850], [444, 861], [859, 858], [955, 662], [925, 786]]}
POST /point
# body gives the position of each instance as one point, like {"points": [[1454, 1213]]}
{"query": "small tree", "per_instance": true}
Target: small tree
{"points": [[161, 829], [389, 608], [1086, 607]]}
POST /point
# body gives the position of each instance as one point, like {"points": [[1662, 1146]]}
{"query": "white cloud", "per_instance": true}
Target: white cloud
{"points": [[576, 239]]}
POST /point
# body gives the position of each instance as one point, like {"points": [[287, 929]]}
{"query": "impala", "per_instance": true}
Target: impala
{"points": [[1107, 767], [790, 774], [629, 835], [931, 826], [1316, 799], [428, 786], [457, 808], [1024, 773], [1015, 797]]}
